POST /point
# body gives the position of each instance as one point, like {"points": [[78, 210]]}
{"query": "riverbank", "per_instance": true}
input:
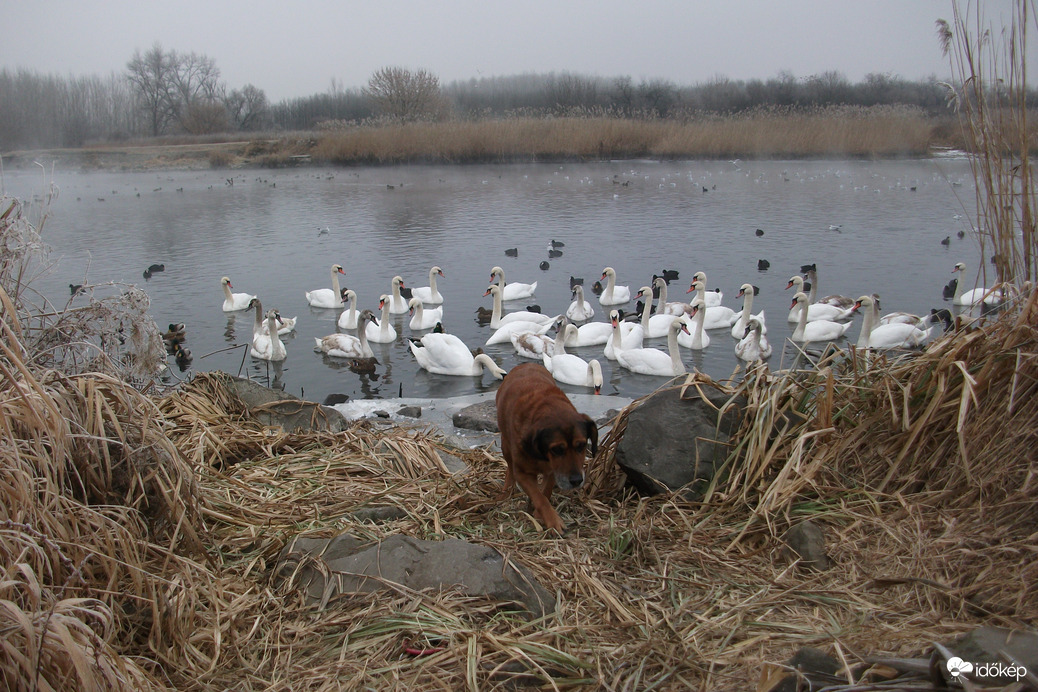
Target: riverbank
{"points": [[879, 132]]}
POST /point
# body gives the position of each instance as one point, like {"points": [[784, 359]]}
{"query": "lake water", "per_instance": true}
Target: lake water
{"points": [[640, 217]]}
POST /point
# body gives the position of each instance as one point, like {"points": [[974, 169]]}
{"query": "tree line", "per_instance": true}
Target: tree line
{"points": [[164, 92]]}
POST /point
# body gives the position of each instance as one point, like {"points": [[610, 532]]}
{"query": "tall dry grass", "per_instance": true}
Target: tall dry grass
{"points": [[854, 132], [991, 101]]}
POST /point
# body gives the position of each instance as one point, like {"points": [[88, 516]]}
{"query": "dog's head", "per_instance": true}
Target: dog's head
{"points": [[564, 446]]}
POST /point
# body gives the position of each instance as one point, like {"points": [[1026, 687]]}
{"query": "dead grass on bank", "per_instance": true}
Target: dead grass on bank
{"points": [[844, 131]]}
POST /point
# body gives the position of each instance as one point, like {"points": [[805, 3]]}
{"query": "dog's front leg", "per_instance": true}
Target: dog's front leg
{"points": [[542, 509]]}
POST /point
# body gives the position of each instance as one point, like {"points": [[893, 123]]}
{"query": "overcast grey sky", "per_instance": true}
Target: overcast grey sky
{"points": [[293, 48]]}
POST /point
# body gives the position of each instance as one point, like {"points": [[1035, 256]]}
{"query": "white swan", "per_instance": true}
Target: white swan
{"points": [[892, 335], [429, 295], [663, 307], [753, 345], [532, 345], [590, 334], [652, 325], [625, 335], [503, 334], [652, 361], [446, 354], [397, 303], [327, 297], [268, 346], [579, 310], [717, 316], [711, 298], [988, 296], [260, 326], [571, 369], [815, 311], [498, 318], [422, 317], [347, 345], [382, 331], [746, 292], [695, 336], [818, 330], [613, 294], [232, 302], [348, 318], [514, 290], [842, 302]]}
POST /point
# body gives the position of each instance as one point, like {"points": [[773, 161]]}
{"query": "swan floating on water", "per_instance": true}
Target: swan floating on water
{"points": [[327, 297], [232, 302]]}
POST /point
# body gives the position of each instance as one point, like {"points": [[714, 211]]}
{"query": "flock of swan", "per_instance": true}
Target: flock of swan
{"points": [[545, 337]]}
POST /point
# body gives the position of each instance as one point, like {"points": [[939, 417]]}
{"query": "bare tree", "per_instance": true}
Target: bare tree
{"points": [[247, 108], [153, 76], [175, 89], [400, 93]]}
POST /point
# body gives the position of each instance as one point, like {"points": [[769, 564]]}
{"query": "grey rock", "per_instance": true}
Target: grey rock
{"points": [[481, 416], [324, 568], [672, 443], [379, 413], [382, 513], [806, 542], [998, 645], [815, 670], [275, 408], [454, 464], [410, 411]]}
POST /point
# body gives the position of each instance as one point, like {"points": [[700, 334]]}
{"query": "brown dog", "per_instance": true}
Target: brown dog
{"points": [[542, 434]]}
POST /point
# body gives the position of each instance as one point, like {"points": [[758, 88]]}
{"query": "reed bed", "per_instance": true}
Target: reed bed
{"points": [[836, 131]]}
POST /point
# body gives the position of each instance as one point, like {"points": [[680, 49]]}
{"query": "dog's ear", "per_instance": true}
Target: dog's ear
{"points": [[536, 443], [592, 434]]}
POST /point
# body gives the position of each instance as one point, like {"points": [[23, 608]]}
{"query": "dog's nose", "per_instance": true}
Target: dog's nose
{"points": [[576, 480]]}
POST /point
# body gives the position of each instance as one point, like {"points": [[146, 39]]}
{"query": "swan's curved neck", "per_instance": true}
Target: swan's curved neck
{"points": [[272, 326], [697, 340], [335, 285], [867, 323], [802, 320], [960, 286], [812, 294], [432, 282], [646, 312], [227, 292], [610, 283], [499, 309], [501, 278], [258, 324], [675, 354], [663, 294], [747, 304], [560, 340]]}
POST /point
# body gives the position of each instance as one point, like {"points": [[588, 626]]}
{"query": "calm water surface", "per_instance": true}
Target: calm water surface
{"points": [[640, 217]]}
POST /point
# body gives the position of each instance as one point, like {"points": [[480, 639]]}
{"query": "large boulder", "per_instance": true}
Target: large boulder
{"points": [[324, 568], [275, 408], [481, 416], [673, 442]]}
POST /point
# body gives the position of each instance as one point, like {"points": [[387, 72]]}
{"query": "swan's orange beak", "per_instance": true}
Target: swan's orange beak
{"points": [[691, 288], [381, 304], [793, 304], [857, 304], [684, 328], [340, 271], [487, 293]]}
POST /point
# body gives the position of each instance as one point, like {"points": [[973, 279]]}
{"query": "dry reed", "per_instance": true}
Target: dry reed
{"points": [[854, 132]]}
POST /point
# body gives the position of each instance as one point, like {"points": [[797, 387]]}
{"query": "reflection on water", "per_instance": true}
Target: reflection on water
{"points": [[276, 233]]}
